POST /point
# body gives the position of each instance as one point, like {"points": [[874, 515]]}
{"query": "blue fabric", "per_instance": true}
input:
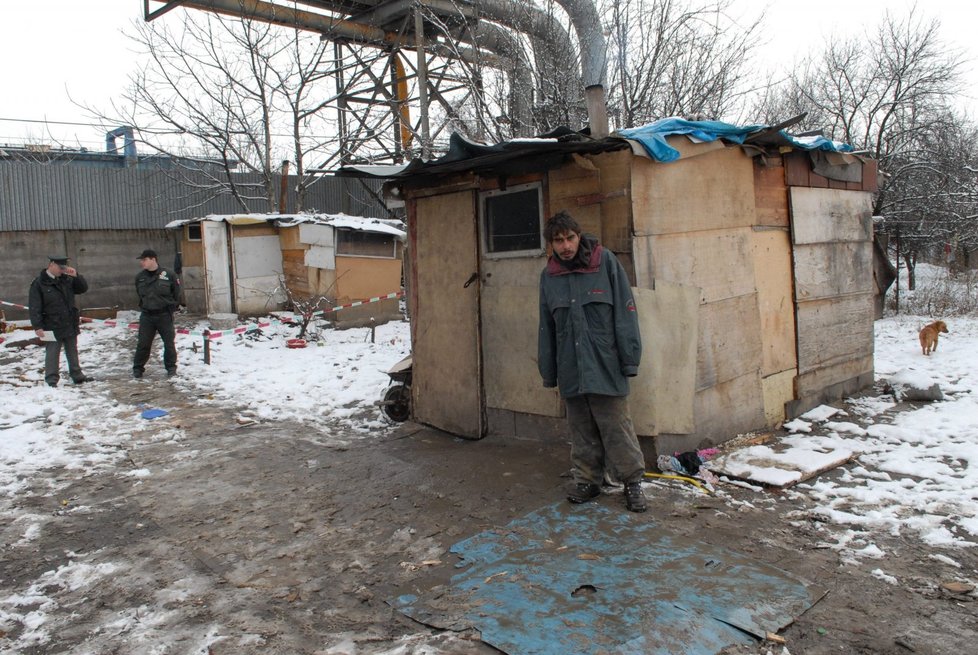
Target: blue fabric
{"points": [[653, 136]]}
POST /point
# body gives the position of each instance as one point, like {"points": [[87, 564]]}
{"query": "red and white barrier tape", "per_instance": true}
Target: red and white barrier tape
{"points": [[217, 334], [396, 294]]}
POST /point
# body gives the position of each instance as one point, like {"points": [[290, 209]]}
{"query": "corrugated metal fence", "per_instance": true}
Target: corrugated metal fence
{"points": [[59, 196]]}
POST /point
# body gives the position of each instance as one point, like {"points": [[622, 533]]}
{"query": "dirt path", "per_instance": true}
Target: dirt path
{"points": [[280, 538]]}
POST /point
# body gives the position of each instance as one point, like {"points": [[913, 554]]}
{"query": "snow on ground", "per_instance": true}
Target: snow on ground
{"points": [[917, 469], [915, 472], [334, 382], [338, 376]]}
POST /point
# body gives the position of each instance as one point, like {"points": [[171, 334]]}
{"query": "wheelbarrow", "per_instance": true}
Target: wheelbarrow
{"points": [[396, 404]]}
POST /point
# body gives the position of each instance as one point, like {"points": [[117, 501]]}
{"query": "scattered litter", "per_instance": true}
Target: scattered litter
{"points": [[684, 478], [687, 467], [154, 413]]}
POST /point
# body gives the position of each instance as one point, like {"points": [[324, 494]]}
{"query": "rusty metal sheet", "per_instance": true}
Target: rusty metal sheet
{"points": [[590, 580]]}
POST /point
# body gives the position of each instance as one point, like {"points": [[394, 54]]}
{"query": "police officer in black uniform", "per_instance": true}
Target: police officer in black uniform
{"points": [[54, 317], [159, 296]]}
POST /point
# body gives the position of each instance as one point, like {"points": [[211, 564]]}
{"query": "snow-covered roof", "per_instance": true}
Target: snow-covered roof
{"points": [[342, 221]]}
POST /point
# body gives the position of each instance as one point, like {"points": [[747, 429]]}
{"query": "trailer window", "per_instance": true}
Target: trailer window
{"points": [[365, 244]]}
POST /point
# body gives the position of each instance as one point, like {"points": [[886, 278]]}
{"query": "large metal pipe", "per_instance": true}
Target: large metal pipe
{"points": [[594, 61], [501, 41], [552, 47], [551, 44]]}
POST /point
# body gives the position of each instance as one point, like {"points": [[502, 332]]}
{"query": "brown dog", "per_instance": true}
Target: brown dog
{"points": [[928, 336]]}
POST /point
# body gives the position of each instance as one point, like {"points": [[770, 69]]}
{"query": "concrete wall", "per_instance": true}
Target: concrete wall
{"points": [[107, 259]]}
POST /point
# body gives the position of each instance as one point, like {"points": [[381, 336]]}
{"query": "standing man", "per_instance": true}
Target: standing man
{"points": [[54, 317], [159, 296], [589, 346]]}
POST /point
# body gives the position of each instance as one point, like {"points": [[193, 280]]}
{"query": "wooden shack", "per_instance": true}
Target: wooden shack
{"points": [[242, 264], [752, 274]]}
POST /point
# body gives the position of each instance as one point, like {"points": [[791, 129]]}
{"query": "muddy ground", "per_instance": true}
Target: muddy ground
{"points": [[279, 538]]}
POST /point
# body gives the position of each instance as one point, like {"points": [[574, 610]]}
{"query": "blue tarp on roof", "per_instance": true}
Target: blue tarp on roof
{"points": [[652, 137]]}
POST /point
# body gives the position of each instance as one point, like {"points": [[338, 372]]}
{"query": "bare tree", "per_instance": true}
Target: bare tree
{"points": [[677, 58], [932, 206], [230, 96], [889, 95]]}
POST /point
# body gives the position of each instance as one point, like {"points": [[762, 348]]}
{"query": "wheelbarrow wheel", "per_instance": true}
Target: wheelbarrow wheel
{"points": [[397, 403]]}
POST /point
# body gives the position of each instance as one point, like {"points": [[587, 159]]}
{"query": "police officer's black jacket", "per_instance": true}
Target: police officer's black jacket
{"points": [[159, 291], [52, 303]]}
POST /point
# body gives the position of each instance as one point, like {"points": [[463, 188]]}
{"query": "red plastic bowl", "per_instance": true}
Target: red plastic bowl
{"points": [[295, 343]]}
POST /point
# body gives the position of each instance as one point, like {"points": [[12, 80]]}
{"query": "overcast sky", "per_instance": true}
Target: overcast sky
{"points": [[56, 51]]}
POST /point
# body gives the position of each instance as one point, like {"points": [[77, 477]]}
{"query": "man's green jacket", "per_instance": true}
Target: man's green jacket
{"points": [[589, 339]]}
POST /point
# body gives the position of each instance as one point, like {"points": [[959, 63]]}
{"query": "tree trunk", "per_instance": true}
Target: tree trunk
{"points": [[910, 259]]}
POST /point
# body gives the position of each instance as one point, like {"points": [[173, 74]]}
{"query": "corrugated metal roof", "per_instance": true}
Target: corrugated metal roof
{"points": [[61, 196]]}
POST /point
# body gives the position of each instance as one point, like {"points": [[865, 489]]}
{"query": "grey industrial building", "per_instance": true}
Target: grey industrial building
{"points": [[103, 208]]}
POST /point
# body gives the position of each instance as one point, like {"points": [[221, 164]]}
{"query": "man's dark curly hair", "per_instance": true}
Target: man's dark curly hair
{"points": [[559, 223]]}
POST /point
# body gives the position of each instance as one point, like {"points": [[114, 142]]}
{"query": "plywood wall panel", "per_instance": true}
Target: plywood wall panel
{"points": [[718, 261], [571, 181], [661, 397], [826, 215], [509, 345], [289, 238], [359, 278], [827, 270], [772, 273], [714, 190], [828, 383], [616, 208], [729, 344], [728, 409], [834, 330], [779, 390], [771, 194], [446, 392]]}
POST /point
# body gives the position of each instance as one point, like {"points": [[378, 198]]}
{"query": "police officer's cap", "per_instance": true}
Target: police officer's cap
{"points": [[60, 260], [147, 253]]}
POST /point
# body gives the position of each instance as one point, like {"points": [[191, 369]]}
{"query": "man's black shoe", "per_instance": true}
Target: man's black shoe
{"points": [[635, 497], [583, 492], [137, 374], [171, 372], [83, 379]]}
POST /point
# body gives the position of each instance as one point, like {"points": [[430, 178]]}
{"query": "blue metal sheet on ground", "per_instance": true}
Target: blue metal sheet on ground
{"points": [[588, 580]]}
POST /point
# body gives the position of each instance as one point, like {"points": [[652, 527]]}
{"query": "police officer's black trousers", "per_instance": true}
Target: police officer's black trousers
{"points": [[52, 360], [149, 326]]}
